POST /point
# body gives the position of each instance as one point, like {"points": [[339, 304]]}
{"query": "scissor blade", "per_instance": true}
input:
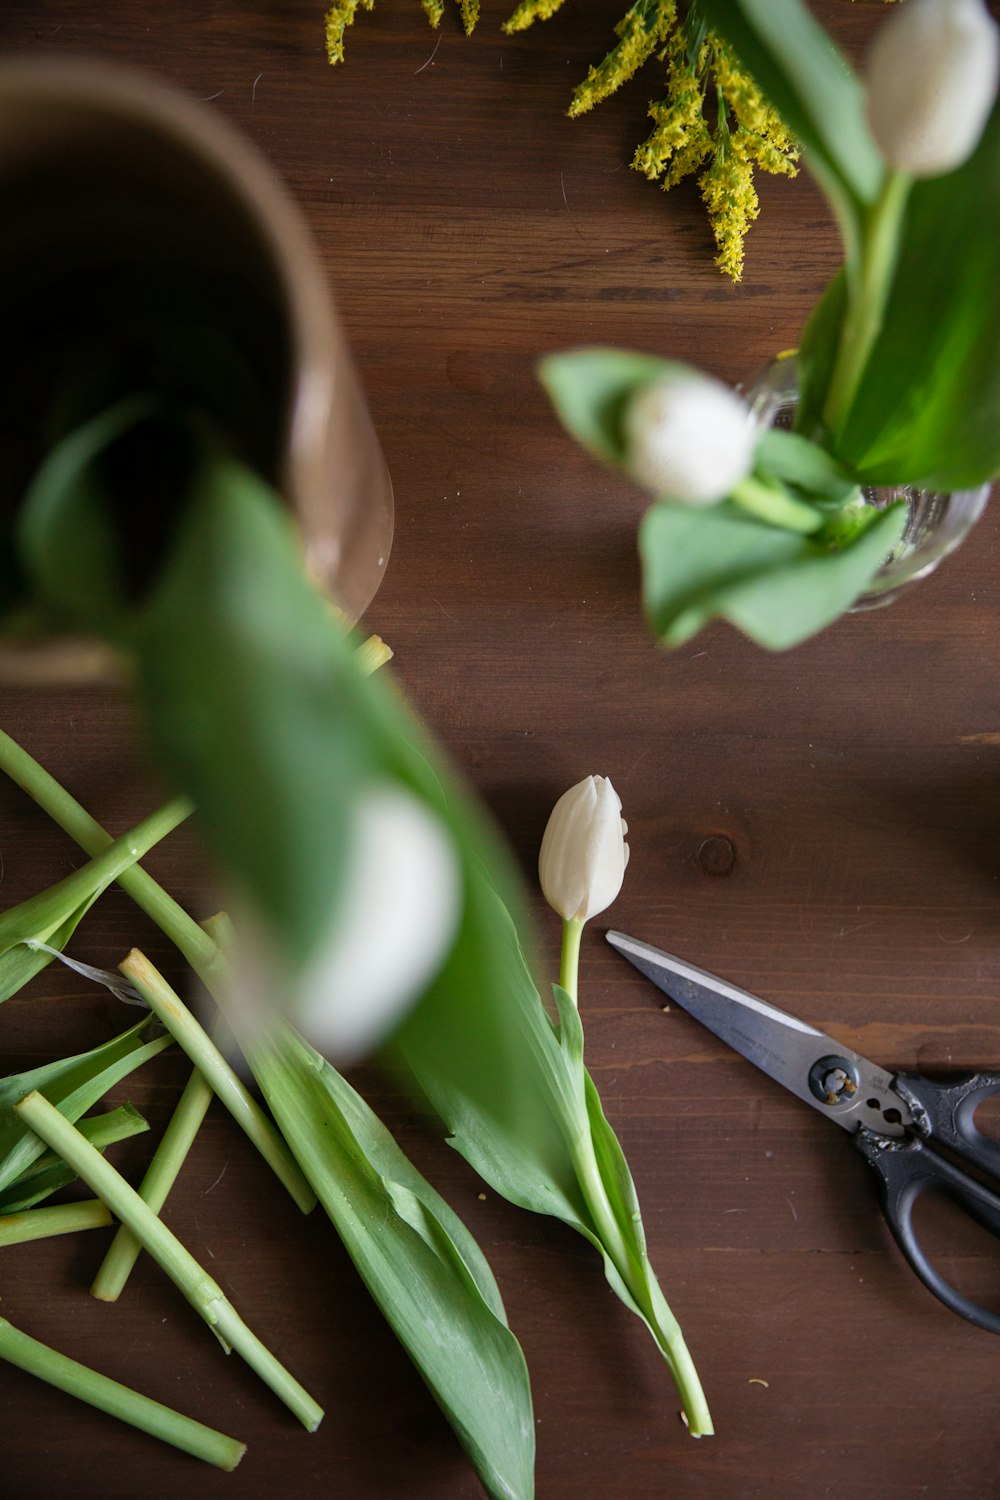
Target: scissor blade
{"points": [[815, 1067]]}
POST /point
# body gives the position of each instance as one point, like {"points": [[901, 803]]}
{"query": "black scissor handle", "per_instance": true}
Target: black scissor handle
{"points": [[944, 1112], [906, 1168]]}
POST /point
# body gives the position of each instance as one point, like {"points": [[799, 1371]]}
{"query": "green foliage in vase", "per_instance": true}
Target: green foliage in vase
{"points": [[898, 373]]}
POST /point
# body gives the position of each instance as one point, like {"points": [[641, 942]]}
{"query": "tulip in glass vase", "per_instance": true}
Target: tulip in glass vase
{"points": [[936, 521], [848, 472]]}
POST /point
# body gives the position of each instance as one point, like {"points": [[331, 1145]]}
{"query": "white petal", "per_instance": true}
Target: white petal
{"points": [[396, 921], [582, 859], [931, 79], [688, 438]]}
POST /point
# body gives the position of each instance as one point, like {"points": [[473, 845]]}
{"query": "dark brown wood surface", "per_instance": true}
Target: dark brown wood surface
{"points": [[822, 827]]}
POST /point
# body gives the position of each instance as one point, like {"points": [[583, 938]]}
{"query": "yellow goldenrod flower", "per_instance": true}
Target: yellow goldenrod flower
{"points": [[742, 133], [729, 195], [339, 16], [530, 11], [680, 141], [698, 60], [643, 28]]}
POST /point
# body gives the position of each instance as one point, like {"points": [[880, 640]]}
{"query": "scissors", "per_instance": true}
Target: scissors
{"points": [[895, 1119]]}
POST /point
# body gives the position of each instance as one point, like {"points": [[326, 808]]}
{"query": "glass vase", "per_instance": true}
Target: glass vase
{"points": [[146, 241], [936, 522]]}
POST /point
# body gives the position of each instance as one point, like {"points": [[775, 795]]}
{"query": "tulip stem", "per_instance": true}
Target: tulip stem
{"points": [[771, 502], [569, 964], [197, 947], [203, 1293], [866, 299], [161, 1174], [617, 1243]]}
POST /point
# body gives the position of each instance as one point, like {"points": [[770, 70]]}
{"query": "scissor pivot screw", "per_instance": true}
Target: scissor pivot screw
{"points": [[833, 1080]]}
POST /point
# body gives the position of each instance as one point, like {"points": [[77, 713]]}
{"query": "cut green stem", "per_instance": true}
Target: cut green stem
{"points": [[63, 1218], [118, 1400], [41, 915], [196, 1042], [867, 294], [161, 1174], [199, 950], [203, 1293], [196, 946], [772, 503]]}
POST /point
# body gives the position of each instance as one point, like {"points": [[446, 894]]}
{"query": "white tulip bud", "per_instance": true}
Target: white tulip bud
{"points": [[397, 919], [688, 438], [392, 928], [583, 856], [931, 79]]}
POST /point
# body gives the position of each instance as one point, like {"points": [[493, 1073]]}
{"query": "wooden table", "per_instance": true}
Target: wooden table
{"points": [[821, 826]]}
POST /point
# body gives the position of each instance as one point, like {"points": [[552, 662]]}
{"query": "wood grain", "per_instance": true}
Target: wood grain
{"points": [[468, 227]]}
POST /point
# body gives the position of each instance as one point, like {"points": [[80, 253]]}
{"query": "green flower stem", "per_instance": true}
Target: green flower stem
{"points": [[177, 1140], [867, 295], [635, 1272], [196, 946], [204, 1294], [63, 1218], [772, 503], [207, 1058], [41, 915], [569, 963], [118, 1400], [62, 808]]}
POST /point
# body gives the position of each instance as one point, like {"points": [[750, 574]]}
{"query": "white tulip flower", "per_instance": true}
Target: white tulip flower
{"points": [[688, 438], [931, 81], [583, 856], [396, 921], [394, 924]]}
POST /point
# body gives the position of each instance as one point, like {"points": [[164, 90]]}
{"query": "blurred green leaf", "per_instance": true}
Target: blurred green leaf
{"points": [[816, 358], [90, 529], [803, 465], [589, 389], [777, 587], [927, 410], [810, 83], [251, 704]]}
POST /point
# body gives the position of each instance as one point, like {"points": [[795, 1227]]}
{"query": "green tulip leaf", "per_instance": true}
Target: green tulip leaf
{"points": [[803, 465], [418, 1260], [550, 1145], [778, 588], [927, 409], [74, 1085], [590, 387]]}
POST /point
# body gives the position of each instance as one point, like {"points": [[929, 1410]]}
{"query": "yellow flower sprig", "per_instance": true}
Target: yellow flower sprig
{"points": [[700, 70], [741, 132], [337, 19], [644, 27], [530, 11], [341, 14]]}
